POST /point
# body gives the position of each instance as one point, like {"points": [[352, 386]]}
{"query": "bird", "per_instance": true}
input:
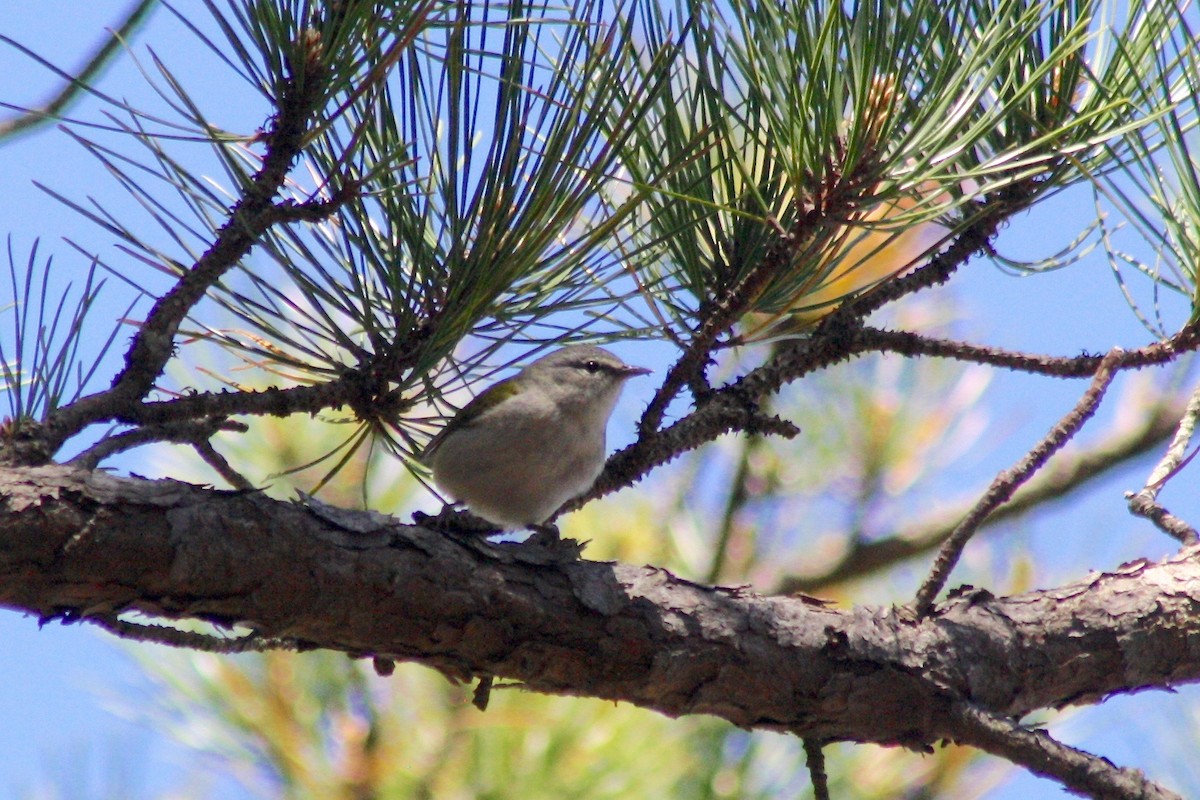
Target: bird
{"points": [[528, 444]]}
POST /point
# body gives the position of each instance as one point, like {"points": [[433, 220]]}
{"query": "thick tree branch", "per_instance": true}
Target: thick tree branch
{"points": [[79, 544]]}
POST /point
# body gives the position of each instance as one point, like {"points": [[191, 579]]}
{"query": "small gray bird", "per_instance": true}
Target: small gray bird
{"points": [[530, 443]]}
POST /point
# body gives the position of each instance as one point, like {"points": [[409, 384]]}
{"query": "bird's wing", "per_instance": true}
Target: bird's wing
{"points": [[483, 402]]}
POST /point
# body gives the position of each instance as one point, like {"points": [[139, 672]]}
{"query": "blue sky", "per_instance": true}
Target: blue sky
{"points": [[59, 685]]}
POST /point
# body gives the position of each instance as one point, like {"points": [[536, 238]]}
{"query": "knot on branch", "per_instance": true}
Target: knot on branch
{"points": [[23, 443]]}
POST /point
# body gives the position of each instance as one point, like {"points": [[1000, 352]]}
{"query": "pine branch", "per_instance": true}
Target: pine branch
{"points": [[911, 344], [720, 315], [253, 214], [734, 407], [76, 84], [1082, 366]]}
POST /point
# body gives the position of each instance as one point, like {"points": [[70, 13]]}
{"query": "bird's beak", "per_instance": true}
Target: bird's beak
{"points": [[630, 371]]}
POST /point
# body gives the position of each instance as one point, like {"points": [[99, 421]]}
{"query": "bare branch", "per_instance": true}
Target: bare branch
{"points": [[307, 399], [815, 759], [1067, 473], [1145, 506], [222, 467], [185, 432], [1082, 773], [1081, 366], [1145, 502], [721, 412], [911, 344], [189, 640], [835, 341], [1007, 482]]}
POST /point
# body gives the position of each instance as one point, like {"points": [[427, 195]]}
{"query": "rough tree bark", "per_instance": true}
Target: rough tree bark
{"points": [[86, 544]]}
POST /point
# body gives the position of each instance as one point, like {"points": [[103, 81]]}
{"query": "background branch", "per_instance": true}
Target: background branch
{"points": [[77, 83], [1145, 502]]}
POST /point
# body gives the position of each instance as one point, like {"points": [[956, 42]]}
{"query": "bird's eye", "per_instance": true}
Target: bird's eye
{"points": [[592, 366]]}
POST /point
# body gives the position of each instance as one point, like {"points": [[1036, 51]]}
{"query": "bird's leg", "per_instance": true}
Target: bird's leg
{"points": [[544, 535], [547, 540], [451, 520]]}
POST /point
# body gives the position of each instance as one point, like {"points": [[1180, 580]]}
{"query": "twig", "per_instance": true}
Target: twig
{"points": [[222, 466], [1174, 459], [1145, 502], [1081, 366], [797, 358], [483, 693], [1007, 482], [185, 432], [1070, 471], [722, 412], [814, 757], [1142, 505], [308, 398], [190, 640], [1081, 772], [915, 344]]}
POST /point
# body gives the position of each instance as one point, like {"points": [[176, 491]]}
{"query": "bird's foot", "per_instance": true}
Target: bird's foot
{"points": [[452, 520], [546, 537]]}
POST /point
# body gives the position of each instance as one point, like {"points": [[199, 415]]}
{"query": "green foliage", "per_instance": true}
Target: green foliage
{"points": [[533, 173], [47, 362], [780, 110], [1157, 188]]}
